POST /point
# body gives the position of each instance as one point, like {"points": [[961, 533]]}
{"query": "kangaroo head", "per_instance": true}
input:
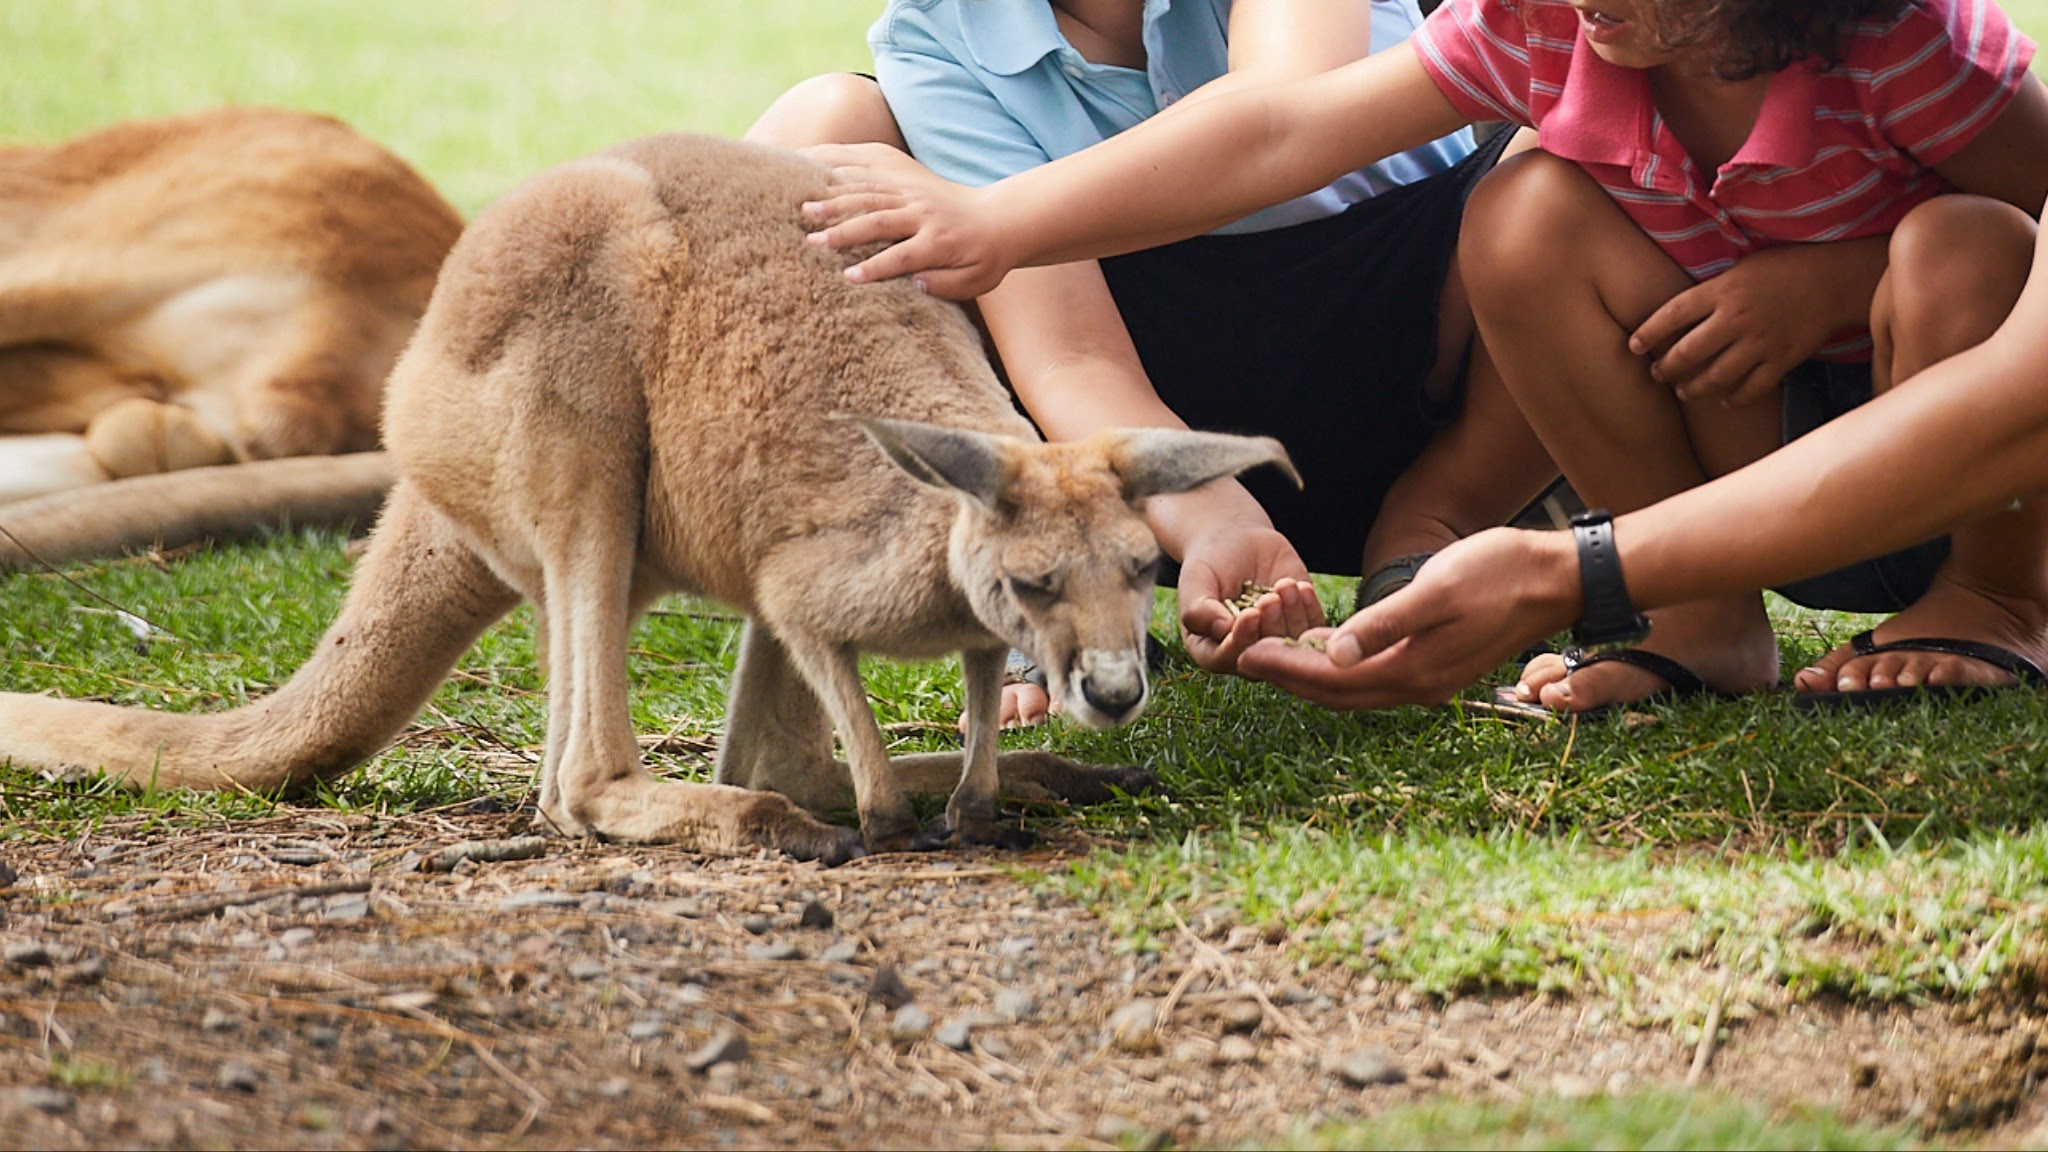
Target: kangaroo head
{"points": [[1051, 547]]}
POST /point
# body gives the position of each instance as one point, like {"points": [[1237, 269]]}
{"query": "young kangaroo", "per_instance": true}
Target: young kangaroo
{"points": [[629, 382]]}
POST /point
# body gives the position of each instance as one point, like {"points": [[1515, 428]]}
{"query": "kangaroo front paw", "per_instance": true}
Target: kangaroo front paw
{"points": [[972, 832], [1041, 777]]}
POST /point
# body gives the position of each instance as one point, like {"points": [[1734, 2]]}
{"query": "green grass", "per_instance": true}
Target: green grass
{"points": [[1888, 857], [1659, 1120]]}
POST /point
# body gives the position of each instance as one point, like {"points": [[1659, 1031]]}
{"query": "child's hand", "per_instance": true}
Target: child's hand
{"points": [[1238, 587], [1737, 335], [934, 227], [1475, 604]]}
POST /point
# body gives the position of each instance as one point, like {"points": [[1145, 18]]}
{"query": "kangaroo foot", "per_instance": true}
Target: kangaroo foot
{"points": [[973, 832], [1041, 777], [138, 437], [893, 832], [702, 817]]}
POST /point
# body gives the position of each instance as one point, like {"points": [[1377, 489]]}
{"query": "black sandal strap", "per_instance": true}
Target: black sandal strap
{"points": [[1391, 577], [1020, 669], [1683, 681], [2023, 670]]}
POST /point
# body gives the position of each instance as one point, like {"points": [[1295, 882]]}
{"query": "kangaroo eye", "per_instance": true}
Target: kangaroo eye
{"points": [[1035, 589]]}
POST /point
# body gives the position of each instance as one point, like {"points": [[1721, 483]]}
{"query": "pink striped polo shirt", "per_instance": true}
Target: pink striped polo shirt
{"points": [[1837, 153]]}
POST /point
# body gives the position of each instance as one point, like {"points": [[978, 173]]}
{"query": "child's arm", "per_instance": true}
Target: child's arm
{"points": [[1166, 179], [1957, 441], [2008, 160]]}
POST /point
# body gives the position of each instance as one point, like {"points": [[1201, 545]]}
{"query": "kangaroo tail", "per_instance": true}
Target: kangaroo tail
{"points": [[420, 598], [172, 509]]}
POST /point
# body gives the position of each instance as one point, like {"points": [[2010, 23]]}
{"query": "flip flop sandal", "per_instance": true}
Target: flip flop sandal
{"points": [[1389, 578], [1020, 669], [1680, 682], [2025, 673]]}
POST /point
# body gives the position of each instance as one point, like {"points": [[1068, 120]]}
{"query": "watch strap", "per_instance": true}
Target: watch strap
{"points": [[1607, 616]]}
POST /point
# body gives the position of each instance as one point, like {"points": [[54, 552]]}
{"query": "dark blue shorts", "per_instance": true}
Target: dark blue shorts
{"points": [[1813, 394]]}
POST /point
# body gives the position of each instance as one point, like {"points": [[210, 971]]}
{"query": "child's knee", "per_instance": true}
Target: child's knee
{"points": [[1957, 265], [835, 108], [1524, 220]]}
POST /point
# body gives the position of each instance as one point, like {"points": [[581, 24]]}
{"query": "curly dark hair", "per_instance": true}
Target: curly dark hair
{"points": [[1768, 35]]}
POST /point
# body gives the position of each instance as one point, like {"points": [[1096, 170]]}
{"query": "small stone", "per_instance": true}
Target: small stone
{"points": [[955, 1034], [27, 954], [347, 909], [587, 969], [1572, 1086], [49, 1101], [1015, 1004], [1242, 938], [1241, 1017], [295, 937], [843, 952], [7, 874], [1015, 948], [815, 915], [888, 988], [90, 970], [645, 1028], [758, 925], [236, 1076], [538, 898], [1235, 1049], [727, 1047], [614, 1088], [1135, 1026], [216, 1020], [1369, 1067], [323, 1036], [782, 951], [910, 1023]]}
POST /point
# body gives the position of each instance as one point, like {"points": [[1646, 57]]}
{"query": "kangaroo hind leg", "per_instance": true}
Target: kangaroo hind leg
{"points": [[593, 780]]}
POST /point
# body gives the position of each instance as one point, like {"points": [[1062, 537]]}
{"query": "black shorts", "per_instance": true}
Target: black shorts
{"points": [[1321, 335], [1811, 395]]}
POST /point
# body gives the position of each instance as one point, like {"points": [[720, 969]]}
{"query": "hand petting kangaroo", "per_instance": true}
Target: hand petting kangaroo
{"points": [[635, 378]]}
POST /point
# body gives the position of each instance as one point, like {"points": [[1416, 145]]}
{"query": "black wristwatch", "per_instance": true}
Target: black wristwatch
{"points": [[1607, 617]]}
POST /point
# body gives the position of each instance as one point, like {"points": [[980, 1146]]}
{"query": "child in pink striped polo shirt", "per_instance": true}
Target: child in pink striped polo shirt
{"points": [[1747, 215]]}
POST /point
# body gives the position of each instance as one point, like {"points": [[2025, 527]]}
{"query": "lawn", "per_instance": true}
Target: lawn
{"points": [[1873, 859]]}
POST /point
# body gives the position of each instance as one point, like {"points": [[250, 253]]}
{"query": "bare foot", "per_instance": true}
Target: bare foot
{"points": [[1025, 705], [1726, 643], [1949, 610]]}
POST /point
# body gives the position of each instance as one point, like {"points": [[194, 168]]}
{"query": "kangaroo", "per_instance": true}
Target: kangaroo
{"points": [[636, 378], [227, 286]]}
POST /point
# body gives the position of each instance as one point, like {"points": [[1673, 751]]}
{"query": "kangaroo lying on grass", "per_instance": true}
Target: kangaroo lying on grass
{"points": [[227, 286], [627, 384]]}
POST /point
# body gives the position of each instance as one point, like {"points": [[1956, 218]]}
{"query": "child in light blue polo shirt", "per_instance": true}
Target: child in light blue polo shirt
{"points": [[1329, 321]]}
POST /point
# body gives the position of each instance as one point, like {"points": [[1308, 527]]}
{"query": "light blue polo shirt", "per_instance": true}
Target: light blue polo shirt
{"points": [[984, 89]]}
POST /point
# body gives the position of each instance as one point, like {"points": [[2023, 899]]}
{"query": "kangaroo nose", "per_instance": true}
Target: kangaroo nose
{"points": [[1113, 699], [1113, 683]]}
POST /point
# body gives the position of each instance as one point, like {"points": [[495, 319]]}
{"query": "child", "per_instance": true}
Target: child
{"points": [[1641, 309], [1978, 421], [1331, 321]]}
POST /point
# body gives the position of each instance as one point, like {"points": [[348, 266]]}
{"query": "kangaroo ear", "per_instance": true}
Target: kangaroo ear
{"points": [[955, 459], [1162, 461]]}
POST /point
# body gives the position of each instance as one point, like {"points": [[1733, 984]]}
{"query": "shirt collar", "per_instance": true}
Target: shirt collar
{"points": [[1008, 37], [1604, 116]]}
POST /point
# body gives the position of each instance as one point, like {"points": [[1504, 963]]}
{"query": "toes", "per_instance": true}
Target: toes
{"points": [[972, 832]]}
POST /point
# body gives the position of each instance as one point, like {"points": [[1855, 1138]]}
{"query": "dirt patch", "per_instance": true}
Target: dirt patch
{"points": [[325, 980]]}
